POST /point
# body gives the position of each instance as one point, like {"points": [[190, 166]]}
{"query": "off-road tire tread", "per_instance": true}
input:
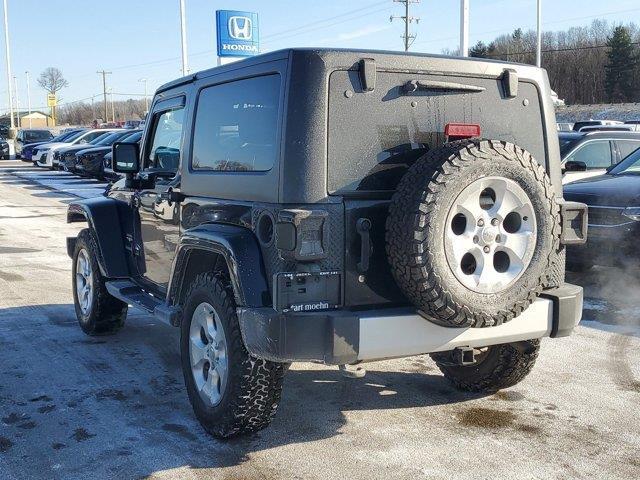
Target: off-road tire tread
{"points": [[408, 221], [258, 388], [109, 313], [511, 366]]}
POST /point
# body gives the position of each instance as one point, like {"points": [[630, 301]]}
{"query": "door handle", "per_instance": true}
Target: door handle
{"points": [[363, 226]]}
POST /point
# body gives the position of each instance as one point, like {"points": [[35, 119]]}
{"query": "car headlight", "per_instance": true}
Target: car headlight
{"points": [[632, 212]]}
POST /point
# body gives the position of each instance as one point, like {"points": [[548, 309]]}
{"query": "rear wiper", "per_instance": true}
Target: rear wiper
{"points": [[416, 85]]}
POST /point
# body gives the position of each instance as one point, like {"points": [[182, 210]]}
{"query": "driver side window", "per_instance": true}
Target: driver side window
{"points": [[164, 152], [595, 154]]}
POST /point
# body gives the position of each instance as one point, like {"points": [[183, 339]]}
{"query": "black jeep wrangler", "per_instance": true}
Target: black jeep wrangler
{"points": [[337, 207]]}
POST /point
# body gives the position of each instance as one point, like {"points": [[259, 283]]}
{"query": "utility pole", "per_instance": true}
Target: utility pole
{"points": [[15, 89], [28, 96], [113, 111], [464, 28], [407, 37], [539, 36], [104, 92], [146, 100], [183, 37], [8, 58]]}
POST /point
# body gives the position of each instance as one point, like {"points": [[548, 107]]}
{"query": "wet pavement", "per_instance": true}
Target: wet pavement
{"points": [[75, 407]]}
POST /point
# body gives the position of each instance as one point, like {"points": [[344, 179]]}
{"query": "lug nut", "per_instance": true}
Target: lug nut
{"points": [[494, 221], [476, 239], [486, 249], [481, 223], [497, 238]]}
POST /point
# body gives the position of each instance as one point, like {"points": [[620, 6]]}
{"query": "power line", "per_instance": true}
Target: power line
{"points": [[554, 22], [553, 50], [282, 35], [328, 19], [408, 19]]}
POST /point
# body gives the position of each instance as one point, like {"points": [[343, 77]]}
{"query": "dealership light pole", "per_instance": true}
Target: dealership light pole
{"points": [[28, 96], [464, 28], [539, 36], [15, 89], [8, 58], [183, 37]]}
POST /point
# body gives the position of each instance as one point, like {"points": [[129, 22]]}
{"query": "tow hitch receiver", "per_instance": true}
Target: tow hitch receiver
{"points": [[464, 356], [458, 357]]}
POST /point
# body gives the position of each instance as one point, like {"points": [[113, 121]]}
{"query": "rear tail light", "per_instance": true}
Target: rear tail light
{"points": [[458, 131]]}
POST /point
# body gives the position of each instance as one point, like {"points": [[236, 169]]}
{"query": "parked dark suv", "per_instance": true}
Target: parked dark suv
{"points": [[27, 136], [336, 207]]}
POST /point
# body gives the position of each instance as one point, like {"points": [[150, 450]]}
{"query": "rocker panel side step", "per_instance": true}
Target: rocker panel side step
{"points": [[129, 292]]}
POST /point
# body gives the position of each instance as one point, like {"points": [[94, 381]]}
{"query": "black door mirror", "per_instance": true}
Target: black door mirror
{"points": [[125, 157], [575, 166]]}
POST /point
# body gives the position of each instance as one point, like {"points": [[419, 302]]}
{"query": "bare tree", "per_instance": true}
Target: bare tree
{"points": [[52, 80]]}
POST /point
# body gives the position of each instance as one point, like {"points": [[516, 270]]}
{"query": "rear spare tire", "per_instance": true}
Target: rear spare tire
{"points": [[473, 232]]}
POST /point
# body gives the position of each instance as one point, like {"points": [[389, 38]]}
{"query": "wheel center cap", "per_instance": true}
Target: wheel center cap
{"points": [[489, 234]]}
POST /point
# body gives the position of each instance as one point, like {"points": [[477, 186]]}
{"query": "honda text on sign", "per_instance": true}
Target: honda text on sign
{"points": [[238, 34]]}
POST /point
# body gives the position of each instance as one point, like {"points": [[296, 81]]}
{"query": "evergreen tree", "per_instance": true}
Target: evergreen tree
{"points": [[479, 50], [619, 71]]}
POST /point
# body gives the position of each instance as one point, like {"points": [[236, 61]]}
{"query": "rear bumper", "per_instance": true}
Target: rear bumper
{"points": [[341, 336]]}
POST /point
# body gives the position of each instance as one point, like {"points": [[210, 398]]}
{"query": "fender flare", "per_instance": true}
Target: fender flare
{"points": [[103, 217], [239, 248]]}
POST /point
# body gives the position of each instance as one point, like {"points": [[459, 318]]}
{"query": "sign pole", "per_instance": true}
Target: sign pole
{"points": [[28, 96], [183, 37], [8, 58], [464, 28], [539, 35]]}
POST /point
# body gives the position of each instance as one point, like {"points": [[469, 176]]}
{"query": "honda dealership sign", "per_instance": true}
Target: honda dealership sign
{"points": [[238, 34]]}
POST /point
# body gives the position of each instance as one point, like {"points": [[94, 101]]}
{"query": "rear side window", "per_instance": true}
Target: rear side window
{"points": [[236, 126], [596, 154], [627, 147]]}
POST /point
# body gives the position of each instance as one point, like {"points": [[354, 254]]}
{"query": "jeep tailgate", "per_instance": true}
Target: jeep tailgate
{"points": [[374, 136]]}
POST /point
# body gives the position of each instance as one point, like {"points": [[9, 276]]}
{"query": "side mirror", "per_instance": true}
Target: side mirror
{"points": [[575, 166], [125, 157]]}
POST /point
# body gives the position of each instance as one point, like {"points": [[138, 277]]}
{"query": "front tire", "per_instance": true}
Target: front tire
{"points": [[498, 367], [98, 312], [231, 392]]}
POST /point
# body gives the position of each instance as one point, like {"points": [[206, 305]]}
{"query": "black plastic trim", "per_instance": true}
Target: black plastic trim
{"points": [[241, 252], [331, 337], [101, 213], [567, 308]]}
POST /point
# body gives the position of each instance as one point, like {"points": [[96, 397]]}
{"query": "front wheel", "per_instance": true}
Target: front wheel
{"points": [[97, 311], [497, 367], [231, 392]]}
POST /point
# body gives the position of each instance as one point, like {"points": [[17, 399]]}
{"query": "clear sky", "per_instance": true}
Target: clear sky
{"points": [[141, 38]]}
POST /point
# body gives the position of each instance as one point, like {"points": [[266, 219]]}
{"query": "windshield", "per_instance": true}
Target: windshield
{"points": [[37, 135], [566, 144], [132, 138], [74, 136], [63, 136], [630, 165], [106, 140], [98, 139]]}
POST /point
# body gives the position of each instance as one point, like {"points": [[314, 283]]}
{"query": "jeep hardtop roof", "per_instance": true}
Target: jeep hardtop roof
{"points": [[388, 58]]}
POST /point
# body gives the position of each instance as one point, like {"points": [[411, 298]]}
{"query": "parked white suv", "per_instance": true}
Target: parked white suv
{"points": [[43, 156]]}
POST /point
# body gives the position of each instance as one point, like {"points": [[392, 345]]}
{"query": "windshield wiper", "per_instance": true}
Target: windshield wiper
{"points": [[416, 85]]}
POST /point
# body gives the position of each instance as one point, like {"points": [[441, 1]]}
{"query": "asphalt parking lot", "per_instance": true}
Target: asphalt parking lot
{"points": [[75, 407]]}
